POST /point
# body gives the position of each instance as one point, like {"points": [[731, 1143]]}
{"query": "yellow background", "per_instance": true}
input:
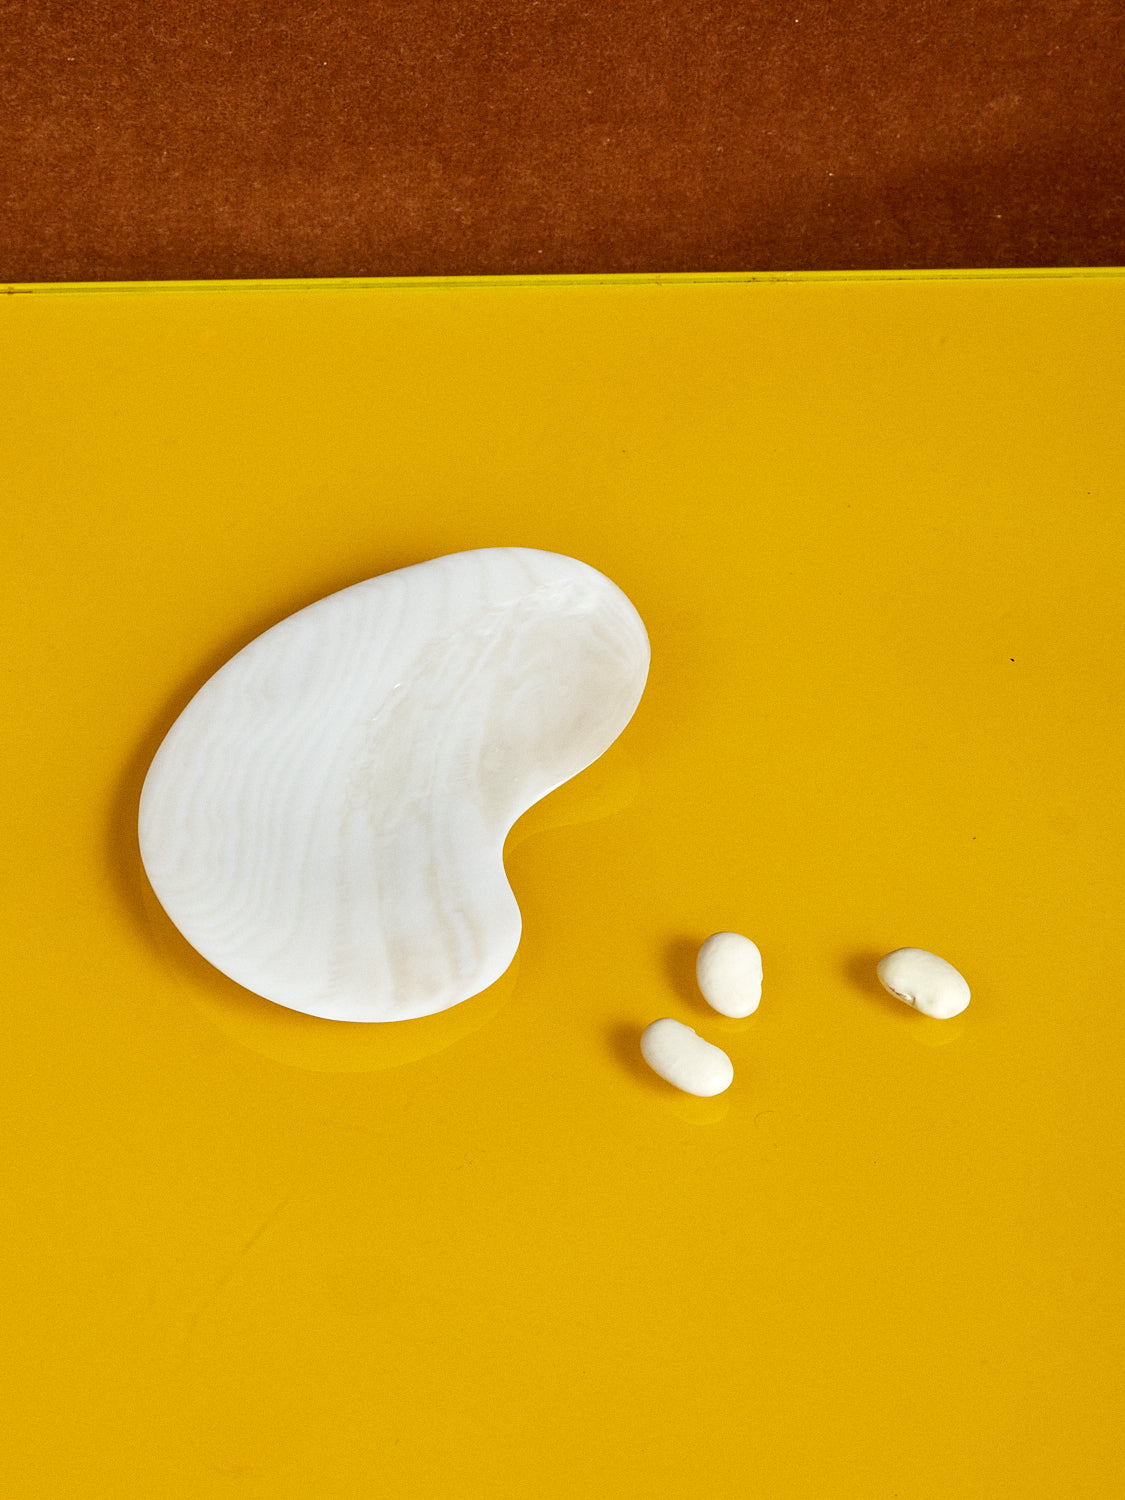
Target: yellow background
{"points": [[874, 527]]}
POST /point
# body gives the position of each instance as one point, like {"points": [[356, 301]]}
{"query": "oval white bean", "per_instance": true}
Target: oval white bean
{"points": [[925, 981], [729, 972], [685, 1060]]}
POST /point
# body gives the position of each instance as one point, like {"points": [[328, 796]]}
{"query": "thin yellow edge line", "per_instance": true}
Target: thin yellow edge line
{"points": [[454, 283]]}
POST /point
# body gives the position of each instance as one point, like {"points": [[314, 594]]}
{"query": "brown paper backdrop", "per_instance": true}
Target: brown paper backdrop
{"points": [[414, 137]]}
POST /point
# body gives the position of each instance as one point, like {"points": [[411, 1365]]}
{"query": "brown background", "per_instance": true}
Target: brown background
{"points": [[414, 137]]}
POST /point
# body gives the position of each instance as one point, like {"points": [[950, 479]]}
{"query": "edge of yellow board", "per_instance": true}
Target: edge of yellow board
{"points": [[676, 278]]}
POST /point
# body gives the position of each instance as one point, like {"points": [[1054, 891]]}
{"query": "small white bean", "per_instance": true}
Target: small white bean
{"points": [[685, 1060], [729, 971], [925, 981]]}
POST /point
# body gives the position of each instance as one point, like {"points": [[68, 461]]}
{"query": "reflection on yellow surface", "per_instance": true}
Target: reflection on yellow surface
{"points": [[301, 1041]]}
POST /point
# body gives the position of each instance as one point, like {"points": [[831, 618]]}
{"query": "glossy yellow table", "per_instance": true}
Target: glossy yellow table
{"points": [[874, 526]]}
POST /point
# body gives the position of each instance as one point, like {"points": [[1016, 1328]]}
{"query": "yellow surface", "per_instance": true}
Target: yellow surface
{"points": [[875, 530]]}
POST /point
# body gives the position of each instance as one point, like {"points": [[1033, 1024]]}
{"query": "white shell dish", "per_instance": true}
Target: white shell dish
{"points": [[325, 821]]}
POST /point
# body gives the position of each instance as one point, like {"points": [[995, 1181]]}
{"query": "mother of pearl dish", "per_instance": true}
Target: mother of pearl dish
{"points": [[325, 821]]}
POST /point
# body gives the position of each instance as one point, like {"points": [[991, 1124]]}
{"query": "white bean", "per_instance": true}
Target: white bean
{"points": [[729, 971], [685, 1060], [925, 981]]}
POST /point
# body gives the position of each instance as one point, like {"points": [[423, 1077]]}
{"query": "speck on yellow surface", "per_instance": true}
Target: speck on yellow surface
{"points": [[875, 528]]}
